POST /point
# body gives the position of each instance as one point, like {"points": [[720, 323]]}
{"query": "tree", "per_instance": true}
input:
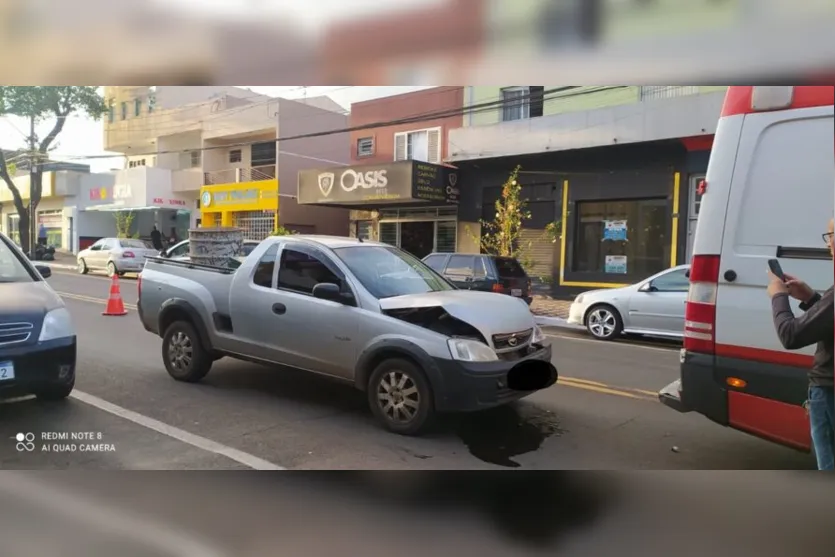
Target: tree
{"points": [[38, 104], [502, 236], [124, 223]]}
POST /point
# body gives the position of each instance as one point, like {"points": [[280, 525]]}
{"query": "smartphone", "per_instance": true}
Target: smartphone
{"points": [[776, 269]]}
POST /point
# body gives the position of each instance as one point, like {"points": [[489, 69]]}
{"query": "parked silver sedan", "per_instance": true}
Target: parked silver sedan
{"points": [[653, 307], [115, 255]]}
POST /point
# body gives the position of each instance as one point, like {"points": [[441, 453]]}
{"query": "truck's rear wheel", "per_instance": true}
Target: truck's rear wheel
{"points": [[400, 397], [184, 356]]}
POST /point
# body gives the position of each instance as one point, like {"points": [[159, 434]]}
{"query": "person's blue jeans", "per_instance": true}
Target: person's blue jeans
{"points": [[822, 421]]}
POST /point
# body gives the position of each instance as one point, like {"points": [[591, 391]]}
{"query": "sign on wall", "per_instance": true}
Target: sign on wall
{"points": [[615, 264], [614, 230], [399, 182]]}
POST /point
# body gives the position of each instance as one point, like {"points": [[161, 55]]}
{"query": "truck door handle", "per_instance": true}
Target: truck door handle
{"points": [[279, 309]]}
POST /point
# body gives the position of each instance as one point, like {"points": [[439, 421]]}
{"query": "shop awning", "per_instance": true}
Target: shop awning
{"points": [[380, 185], [115, 208]]}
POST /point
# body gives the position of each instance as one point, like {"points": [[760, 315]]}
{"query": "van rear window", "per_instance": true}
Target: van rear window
{"points": [[509, 267]]}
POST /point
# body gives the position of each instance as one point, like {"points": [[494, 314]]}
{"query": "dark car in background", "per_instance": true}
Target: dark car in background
{"points": [[485, 273]]}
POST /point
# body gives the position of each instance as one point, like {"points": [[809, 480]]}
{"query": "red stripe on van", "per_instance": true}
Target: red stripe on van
{"points": [[738, 98], [765, 356], [783, 423]]}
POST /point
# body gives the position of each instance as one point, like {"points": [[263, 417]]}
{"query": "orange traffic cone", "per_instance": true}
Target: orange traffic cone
{"points": [[115, 305]]}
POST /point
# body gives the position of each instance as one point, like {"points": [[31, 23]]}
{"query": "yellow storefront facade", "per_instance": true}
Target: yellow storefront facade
{"points": [[251, 206]]}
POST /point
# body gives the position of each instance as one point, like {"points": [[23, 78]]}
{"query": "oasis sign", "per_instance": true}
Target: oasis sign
{"points": [[399, 182]]}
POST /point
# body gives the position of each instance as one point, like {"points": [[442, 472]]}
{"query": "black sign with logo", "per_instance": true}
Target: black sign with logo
{"points": [[379, 184]]}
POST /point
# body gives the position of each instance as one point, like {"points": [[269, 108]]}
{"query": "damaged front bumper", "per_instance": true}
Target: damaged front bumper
{"points": [[471, 386]]}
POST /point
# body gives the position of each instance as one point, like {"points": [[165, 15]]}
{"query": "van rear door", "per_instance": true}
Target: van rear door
{"points": [[779, 204]]}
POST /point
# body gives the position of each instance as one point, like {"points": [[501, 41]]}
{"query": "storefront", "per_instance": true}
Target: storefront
{"points": [[621, 213], [132, 201], [408, 204], [251, 206]]}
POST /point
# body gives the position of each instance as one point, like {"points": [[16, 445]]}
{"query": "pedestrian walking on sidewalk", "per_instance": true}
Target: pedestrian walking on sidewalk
{"points": [[816, 325], [156, 239]]}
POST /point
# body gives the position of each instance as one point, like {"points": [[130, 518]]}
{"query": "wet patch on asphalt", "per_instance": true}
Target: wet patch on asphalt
{"points": [[498, 435]]}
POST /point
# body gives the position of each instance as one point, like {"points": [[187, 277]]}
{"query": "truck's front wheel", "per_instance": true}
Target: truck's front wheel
{"points": [[400, 397], [184, 356]]}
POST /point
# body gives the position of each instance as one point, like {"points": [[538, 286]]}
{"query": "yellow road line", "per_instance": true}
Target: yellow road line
{"points": [[577, 383], [609, 390], [91, 299], [599, 384]]}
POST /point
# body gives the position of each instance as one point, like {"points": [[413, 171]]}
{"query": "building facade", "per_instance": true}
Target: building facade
{"points": [[408, 221], [613, 170], [225, 145]]}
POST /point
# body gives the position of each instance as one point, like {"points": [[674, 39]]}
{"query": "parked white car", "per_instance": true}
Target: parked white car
{"points": [[117, 256], [653, 307]]}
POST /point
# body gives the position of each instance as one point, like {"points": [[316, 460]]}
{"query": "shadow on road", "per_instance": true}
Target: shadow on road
{"points": [[493, 436]]}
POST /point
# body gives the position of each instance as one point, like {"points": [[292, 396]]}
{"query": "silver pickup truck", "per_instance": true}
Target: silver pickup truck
{"points": [[365, 313]]}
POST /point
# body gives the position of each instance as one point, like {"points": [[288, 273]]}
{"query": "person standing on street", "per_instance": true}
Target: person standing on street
{"points": [[816, 325], [156, 239], [42, 235]]}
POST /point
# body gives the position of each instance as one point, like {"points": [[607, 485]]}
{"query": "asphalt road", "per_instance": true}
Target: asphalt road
{"points": [[603, 414]]}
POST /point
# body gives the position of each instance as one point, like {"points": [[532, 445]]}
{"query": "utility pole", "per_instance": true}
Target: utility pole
{"points": [[33, 225]]}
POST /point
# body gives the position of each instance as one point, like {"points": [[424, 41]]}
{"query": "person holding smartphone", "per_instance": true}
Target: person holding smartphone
{"points": [[816, 325]]}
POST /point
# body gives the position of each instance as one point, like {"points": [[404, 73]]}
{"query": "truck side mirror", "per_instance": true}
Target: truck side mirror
{"points": [[327, 291]]}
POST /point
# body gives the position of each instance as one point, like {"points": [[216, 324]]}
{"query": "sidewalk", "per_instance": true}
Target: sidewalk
{"points": [[550, 312], [63, 260]]}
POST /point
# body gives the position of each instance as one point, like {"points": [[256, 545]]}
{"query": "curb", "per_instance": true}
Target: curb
{"points": [[55, 265], [558, 322]]}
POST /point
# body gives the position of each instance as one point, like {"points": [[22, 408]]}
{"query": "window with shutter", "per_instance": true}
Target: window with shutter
{"points": [[435, 146], [400, 147]]}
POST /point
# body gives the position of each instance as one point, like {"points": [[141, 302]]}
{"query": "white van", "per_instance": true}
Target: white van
{"points": [[768, 194]]}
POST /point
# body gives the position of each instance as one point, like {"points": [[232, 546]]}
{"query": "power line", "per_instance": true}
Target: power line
{"points": [[428, 116]]}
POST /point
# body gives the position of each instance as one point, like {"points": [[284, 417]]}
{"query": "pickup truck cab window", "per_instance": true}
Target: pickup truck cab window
{"points": [[300, 271], [265, 270]]}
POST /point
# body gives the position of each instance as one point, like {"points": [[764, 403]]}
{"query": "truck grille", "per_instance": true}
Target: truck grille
{"points": [[13, 333], [508, 342]]}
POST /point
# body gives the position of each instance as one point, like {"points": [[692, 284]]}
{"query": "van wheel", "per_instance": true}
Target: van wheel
{"points": [[183, 354], [82, 267], [400, 397], [604, 322]]}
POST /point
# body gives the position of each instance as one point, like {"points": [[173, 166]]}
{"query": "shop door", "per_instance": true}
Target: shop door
{"points": [[695, 201], [418, 238]]}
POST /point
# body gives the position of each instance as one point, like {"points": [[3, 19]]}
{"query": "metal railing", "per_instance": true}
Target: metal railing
{"points": [[652, 92], [237, 175]]}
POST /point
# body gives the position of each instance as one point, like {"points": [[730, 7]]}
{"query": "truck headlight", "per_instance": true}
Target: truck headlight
{"points": [[57, 324], [538, 336], [470, 351]]}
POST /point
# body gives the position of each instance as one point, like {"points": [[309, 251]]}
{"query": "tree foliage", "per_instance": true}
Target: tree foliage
{"points": [[39, 104], [502, 236], [281, 231], [124, 223]]}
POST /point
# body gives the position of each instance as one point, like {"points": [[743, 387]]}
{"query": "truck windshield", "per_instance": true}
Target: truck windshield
{"points": [[388, 272], [12, 269]]}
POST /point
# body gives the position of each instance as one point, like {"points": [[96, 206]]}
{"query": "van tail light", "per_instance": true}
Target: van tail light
{"points": [[700, 311], [498, 288], [128, 254]]}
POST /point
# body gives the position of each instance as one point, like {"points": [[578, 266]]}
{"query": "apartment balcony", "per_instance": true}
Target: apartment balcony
{"points": [[239, 175], [663, 113]]}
